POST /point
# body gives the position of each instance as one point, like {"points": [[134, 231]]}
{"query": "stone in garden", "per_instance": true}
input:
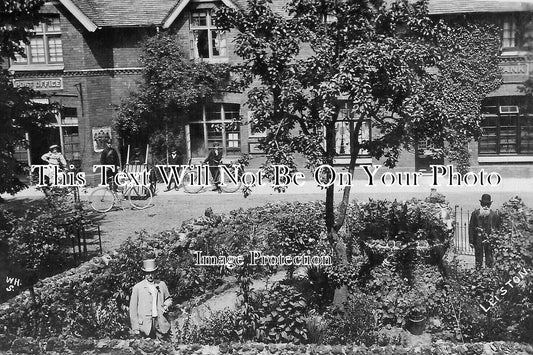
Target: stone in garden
{"points": [[79, 345]]}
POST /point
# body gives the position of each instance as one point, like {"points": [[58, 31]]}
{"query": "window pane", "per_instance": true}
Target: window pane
{"points": [[200, 44], [526, 135], [219, 43], [231, 112], [213, 113], [55, 50], [38, 28], [54, 26], [21, 59], [37, 50], [197, 140], [508, 134], [214, 134], [488, 143], [232, 142], [199, 19], [509, 33]]}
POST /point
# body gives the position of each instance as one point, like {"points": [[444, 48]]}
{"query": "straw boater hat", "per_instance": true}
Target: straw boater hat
{"points": [[54, 146], [149, 265]]}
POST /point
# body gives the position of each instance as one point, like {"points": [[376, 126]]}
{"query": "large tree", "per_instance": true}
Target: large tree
{"points": [[171, 84], [415, 78], [18, 113]]}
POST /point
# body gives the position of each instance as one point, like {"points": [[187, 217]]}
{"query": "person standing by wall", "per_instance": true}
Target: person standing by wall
{"points": [[483, 222]]}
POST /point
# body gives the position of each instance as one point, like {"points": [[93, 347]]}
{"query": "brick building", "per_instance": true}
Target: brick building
{"points": [[86, 58]]}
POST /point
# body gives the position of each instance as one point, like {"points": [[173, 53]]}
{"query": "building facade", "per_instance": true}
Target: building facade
{"points": [[87, 59]]}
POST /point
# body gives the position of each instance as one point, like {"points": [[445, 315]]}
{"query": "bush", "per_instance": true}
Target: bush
{"points": [[357, 323]]}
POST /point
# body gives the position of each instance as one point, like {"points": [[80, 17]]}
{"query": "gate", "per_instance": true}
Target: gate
{"points": [[462, 220]]}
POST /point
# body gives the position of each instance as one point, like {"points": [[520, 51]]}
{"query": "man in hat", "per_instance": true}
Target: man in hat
{"points": [[214, 159], [149, 304], [482, 222], [175, 158], [109, 156]]}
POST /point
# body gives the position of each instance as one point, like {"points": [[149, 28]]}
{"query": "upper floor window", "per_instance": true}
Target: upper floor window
{"points": [[45, 44], [509, 32], [207, 41]]}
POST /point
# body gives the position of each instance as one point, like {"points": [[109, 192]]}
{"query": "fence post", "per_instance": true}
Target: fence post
{"points": [[100, 239]]}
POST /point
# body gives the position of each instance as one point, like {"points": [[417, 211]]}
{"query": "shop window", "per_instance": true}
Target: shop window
{"points": [[505, 133], [215, 123], [207, 41], [45, 45]]}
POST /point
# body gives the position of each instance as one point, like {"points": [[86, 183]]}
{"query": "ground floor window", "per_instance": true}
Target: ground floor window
{"points": [[215, 123], [342, 131], [507, 127]]}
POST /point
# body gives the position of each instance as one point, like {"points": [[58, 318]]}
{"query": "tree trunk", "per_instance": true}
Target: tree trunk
{"points": [[333, 227]]}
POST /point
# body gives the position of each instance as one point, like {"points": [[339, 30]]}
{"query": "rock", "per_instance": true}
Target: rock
{"points": [[79, 345]]}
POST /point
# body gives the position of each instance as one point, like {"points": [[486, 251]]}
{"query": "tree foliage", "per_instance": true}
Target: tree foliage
{"points": [[415, 78], [171, 84], [17, 18], [18, 114]]}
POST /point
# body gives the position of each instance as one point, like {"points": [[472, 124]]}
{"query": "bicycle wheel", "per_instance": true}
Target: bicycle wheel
{"points": [[140, 197], [102, 199], [191, 184], [229, 186]]}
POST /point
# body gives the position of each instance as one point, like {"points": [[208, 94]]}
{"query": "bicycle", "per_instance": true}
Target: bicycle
{"points": [[104, 198], [193, 183]]}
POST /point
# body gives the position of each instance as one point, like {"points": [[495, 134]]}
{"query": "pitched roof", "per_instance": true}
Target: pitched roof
{"points": [[438, 7], [181, 4], [121, 13]]}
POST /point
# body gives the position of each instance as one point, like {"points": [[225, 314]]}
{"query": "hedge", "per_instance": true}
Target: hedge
{"points": [[70, 344]]}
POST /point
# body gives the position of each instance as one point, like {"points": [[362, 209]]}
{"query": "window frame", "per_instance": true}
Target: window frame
{"points": [[210, 27], [223, 122], [44, 33], [502, 130]]}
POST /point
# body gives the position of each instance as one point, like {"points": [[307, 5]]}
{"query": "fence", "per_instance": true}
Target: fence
{"points": [[462, 220]]}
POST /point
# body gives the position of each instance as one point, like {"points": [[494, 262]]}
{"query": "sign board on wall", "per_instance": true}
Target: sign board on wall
{"points": [[41, 84], [100, 135], [514, 71]]}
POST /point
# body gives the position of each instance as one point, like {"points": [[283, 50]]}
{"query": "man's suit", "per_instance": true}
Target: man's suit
{"points": [[141, 308], [214, 159], [479, 228], [174, 160]]}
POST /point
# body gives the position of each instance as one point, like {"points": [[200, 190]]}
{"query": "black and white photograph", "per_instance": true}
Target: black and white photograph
{"points": [[264, 177]]}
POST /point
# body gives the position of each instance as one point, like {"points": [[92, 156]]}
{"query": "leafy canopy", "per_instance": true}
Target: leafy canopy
{"points": [[414, 77], [18, 114], [171, 85]]}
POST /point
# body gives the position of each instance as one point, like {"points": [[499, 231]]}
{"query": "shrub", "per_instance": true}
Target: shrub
{"points": [[357, 323]]}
